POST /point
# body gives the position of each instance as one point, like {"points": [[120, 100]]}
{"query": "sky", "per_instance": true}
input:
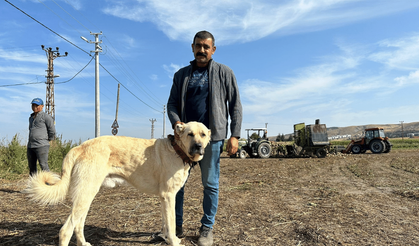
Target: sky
{"points": [[345, 62]]}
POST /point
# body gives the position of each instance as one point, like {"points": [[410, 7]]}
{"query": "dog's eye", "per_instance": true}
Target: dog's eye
{"points": [[203, 135], [190, 134]]}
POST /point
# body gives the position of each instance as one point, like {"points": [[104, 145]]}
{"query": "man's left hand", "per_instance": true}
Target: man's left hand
{"points": [[232, 145]]}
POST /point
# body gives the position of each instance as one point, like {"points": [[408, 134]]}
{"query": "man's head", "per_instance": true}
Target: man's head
{"points": [[203, 47], [37, 105]]}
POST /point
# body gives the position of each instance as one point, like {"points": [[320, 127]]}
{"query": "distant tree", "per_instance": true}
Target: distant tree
{"points": [[290, 138]]}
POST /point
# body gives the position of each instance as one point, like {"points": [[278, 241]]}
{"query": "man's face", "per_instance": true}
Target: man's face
{"points": [[203, 51], [37, 108]]}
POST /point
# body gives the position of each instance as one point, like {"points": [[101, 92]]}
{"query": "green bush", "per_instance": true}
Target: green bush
{"points": [[14, 162], [13, 158], [57, 151]]}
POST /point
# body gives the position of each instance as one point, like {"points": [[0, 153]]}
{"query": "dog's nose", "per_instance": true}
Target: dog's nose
{"points": [[198, 145]]}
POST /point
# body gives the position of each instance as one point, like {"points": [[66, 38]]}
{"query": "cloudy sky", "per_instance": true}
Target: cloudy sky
{"points": [[345, 62]]}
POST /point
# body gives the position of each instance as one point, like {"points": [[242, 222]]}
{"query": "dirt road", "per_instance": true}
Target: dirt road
{"points": [[339, 200]]}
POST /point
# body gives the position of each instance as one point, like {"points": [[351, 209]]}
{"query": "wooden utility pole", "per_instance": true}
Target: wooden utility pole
{"points": [[50, 101], [115, 125]]}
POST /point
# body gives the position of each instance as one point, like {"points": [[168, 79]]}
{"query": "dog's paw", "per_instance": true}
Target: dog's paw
{"points": [[86, 244]]}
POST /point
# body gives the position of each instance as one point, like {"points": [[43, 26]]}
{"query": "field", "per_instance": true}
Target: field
{"points": [[338, 200]]}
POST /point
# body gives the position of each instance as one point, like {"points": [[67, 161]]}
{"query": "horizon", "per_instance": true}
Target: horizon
{"points": [[347, 63]]}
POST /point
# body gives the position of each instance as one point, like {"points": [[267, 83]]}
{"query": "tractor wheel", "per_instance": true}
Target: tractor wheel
{"points": [[321, 153], [242, 154], [356, 149], [264, 150], [388, 147], [377, 146]]}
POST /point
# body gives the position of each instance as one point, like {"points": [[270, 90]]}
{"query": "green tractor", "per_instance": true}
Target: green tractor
{"points": [[257, 146], [309, 140]]}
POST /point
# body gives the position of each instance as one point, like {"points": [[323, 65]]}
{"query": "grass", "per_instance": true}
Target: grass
{"points": [[13, 159]]}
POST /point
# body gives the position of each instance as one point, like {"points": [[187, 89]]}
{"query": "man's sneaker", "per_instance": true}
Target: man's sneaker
{"points": [[159, 237], [205, 236]]}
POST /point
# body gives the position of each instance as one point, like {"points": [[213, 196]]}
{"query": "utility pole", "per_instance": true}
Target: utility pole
{"points": [[50, 101], [115, 123], [97, 89], [152, 127], [164, 121], [401, 122]]}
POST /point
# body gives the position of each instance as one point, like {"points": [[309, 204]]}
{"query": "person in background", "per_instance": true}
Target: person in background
{"points": [[207, 92], [41, 131]]}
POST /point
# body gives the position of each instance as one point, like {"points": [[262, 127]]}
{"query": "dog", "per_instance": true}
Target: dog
{"points": [[152, 166]]}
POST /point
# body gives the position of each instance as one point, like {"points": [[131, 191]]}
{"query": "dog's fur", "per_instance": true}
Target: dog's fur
{"points": [[152, 166]]}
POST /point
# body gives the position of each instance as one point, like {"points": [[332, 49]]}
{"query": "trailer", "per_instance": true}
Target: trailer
{"points": [[309, 140]]}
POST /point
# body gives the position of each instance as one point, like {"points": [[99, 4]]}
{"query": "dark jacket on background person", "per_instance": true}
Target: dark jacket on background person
{"points": [[222, 87], [41, 130]]}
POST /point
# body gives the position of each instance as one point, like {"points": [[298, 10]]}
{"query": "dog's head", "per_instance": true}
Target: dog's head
{"points": [[193, 138]]}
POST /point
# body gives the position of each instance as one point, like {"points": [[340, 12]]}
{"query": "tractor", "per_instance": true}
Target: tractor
{"points": [[309, 140], [260, 147], [374, 139]]}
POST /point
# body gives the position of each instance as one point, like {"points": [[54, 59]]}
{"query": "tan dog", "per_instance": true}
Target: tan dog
{"points": [[151, 166]]}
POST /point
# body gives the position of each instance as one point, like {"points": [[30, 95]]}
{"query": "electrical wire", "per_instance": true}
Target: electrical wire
{"points": [[81, 50], [69, 3], [129, 90], [71, 16], [59, 15], [48, 28], [54, 83], [76, 73], [133, 79]]}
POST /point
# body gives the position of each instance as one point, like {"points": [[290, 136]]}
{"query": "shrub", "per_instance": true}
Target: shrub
{"points": [[13, 157]]}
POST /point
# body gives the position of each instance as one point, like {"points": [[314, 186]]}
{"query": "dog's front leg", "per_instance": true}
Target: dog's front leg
{"points": [[169, 218]]}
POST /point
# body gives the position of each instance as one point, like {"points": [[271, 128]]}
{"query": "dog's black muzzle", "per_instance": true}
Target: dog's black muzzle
{"points": [[196, 149]]}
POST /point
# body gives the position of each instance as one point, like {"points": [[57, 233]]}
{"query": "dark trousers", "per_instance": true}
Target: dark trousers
{"points": [[38, 154]]}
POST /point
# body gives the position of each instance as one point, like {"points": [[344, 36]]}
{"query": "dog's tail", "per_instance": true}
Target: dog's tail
{"points": [[47, 188]]}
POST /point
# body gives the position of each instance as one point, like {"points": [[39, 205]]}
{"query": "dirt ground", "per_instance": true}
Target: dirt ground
{"points": [[367, 199]]}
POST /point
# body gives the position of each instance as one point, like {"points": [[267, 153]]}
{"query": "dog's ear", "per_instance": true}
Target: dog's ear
{"points": [[180, 128], [209, 133]]}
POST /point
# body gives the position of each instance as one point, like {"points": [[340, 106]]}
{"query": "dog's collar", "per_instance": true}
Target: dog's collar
{"points": [[180, 152]]}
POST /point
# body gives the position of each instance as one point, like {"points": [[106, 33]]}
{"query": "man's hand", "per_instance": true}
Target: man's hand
{"points": [[232, 145]]}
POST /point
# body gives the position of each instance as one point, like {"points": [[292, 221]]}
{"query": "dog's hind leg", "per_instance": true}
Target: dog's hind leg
{"points": [[84, 187], [169, 218]]}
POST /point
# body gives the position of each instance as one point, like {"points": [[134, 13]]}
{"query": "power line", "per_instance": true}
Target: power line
{"points": [[22, 84], [79, 49], [129, 90], [48, 28], [58, 14], [69, 3], [71, 15], [149, 93], [54, 83], [77, 72]]}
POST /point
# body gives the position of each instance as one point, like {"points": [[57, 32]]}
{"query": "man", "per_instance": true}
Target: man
{"points": [[207, 92], [41, 131]]}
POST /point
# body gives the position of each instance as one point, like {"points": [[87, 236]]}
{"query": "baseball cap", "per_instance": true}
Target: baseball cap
{"points": [[37, 101]]}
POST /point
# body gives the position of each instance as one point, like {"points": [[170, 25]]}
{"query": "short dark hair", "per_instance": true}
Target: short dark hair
{"points": [[204, 35]]}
